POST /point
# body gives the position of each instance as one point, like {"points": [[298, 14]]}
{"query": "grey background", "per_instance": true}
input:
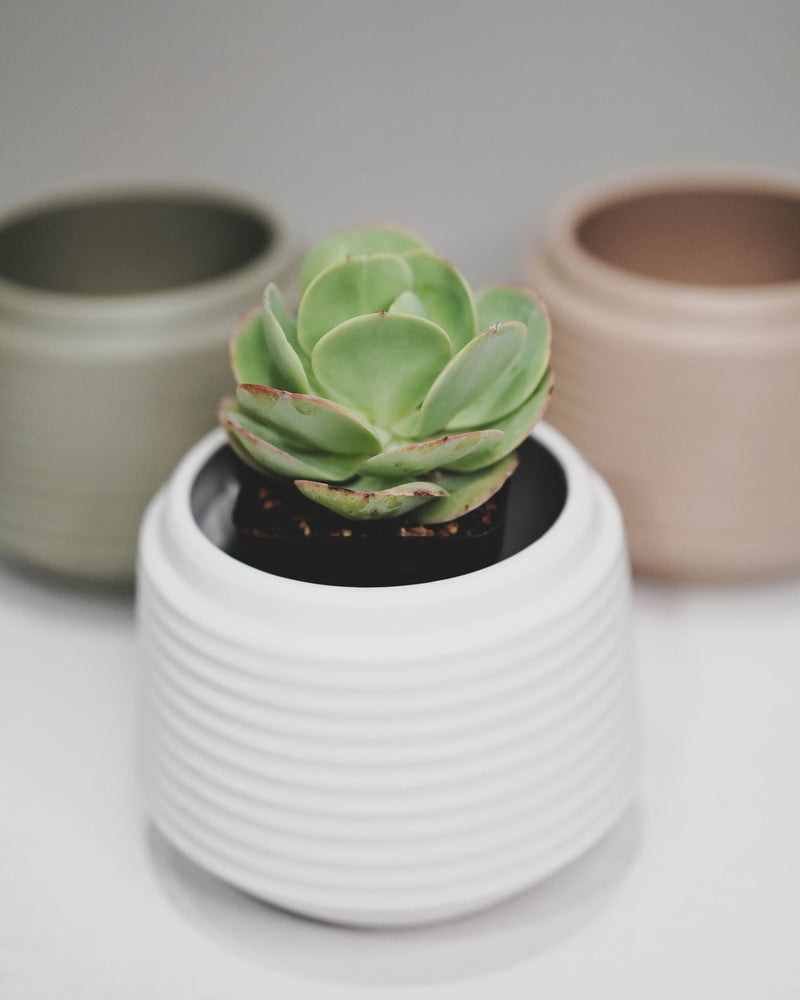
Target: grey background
{"points": [[464, 120]]}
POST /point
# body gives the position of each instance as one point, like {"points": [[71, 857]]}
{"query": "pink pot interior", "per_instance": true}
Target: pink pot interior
{"points": [[699, 236]]}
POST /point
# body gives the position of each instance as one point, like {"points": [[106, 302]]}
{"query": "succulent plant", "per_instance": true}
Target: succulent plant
{"points": [[393, 390]]}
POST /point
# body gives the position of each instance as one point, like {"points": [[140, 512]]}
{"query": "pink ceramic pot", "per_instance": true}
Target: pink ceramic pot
{"points": [[676, 309]]}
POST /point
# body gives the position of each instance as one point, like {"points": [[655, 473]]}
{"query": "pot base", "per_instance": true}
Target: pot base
{"points": [[367, 913]]}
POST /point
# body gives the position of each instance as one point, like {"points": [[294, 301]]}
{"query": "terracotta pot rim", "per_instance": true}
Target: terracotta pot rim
{"points": [[136, 307], [610, 281]]}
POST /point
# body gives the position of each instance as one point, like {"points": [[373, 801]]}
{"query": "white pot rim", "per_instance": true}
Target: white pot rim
{"points": [[201, 561]]}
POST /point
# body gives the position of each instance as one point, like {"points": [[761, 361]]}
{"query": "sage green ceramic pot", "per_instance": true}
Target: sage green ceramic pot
{"points": [[115, 312]]}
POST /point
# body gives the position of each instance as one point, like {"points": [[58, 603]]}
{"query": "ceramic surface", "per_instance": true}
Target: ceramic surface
{"points": [[421, 751], [676, 310], [115, 312]]}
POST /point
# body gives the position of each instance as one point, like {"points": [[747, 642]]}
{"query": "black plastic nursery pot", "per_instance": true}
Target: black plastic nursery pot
{"points": [[280, 531], [272, 527]]}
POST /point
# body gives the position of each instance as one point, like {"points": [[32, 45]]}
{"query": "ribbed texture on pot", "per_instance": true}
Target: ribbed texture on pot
{"points": [[390, 755], [685, 396], [100, 394]]}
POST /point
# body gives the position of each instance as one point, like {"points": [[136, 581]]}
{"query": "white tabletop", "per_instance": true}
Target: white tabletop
{"points": [[465, 120]]}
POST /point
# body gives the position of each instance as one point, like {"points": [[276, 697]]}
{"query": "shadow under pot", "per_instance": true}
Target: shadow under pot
{"points": [[676, 312], [388, 755], [115, 312]]}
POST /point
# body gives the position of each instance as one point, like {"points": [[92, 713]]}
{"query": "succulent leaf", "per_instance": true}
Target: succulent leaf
{"points": [[516, 427], [233, 440], [274, 300], [409, 304], [393, 390], [513, 387], [354, 287], [421, 457], [316, 423], [382, 365], [359, 504], [470, 373], [249, 359], [269, 450], [444, 294], [357, 243], [288, 367], [465, 492]]}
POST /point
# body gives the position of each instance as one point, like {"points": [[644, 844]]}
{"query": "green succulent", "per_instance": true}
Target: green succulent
{"points": [[393, 390]]}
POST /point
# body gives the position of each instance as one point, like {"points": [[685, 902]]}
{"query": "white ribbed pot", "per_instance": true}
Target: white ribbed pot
{"points": [[675, 301], [115, 311], [390, 755]]}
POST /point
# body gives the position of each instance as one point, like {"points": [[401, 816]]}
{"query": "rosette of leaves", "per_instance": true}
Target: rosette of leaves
{"points": [[393, 390]]}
